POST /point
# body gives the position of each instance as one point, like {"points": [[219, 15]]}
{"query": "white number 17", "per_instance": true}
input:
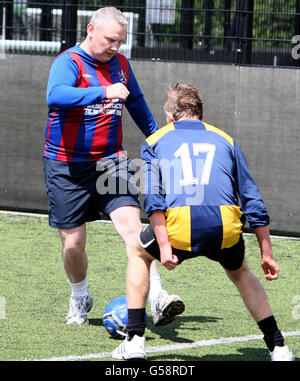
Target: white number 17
{"points": [[186, 163]]}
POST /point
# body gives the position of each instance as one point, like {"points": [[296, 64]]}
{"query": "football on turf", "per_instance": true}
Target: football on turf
{"points": [[115, 317]]}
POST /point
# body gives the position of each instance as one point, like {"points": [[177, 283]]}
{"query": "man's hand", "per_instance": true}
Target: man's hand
{"points": [[268, 264], [270, 268], [158, 222], [117, 90], [167, 258]]}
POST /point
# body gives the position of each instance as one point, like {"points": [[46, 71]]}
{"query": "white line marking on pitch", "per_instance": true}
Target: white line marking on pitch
{"points": [[172, 347]]}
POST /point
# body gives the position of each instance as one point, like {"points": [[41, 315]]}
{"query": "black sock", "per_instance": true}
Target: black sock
{"points": [[136, 322], [272, 334]]}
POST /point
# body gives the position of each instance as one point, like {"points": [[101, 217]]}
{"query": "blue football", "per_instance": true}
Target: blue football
{"points": [[115, 317]]}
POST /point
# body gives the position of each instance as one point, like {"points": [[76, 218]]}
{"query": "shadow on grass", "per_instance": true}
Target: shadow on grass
{"points": [[182, 323], [97, 322], [170, 331], [246, 354]]}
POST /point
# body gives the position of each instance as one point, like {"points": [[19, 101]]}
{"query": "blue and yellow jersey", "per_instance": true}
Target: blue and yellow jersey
{"points": [[199, 176]]}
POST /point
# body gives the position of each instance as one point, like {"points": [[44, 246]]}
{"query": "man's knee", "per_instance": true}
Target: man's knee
{"points": [[238, 275], [73, 248], [135, 250], [127, 223], [73, 242], [143, 255]]}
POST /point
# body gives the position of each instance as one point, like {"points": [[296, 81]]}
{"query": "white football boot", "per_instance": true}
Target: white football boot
{"points": [[165, 308], [282, 354], [133, 349], [79, 307]]}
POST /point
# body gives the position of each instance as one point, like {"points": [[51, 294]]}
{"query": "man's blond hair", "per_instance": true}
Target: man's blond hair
{"points": [[184, 100], [106, 14]]}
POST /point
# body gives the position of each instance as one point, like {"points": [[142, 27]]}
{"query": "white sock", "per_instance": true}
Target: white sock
{"points": [[155, 287], [79, 289]]}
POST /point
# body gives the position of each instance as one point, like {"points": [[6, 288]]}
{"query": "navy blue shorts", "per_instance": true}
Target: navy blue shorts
{"points": [[80, 192], [230, 258]]}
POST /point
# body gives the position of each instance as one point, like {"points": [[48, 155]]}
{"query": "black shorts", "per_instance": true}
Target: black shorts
{"points": [[231, 258], [80, 192]]}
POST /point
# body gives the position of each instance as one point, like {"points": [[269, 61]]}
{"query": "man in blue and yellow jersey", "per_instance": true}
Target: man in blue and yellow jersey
{"points": [[198, 195]]}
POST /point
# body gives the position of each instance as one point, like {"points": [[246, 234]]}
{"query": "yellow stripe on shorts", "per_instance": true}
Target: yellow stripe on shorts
{"points": [[232, 225], [179, 227]]}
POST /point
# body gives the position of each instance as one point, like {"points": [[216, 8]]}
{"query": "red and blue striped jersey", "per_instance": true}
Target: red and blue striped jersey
{"points": [[83, 125]]}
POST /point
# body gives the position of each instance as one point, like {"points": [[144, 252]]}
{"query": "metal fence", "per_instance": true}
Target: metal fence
{"points": [[252, 32]]}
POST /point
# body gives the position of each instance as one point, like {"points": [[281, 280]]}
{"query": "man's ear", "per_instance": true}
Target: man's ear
{"points": [[169, 116], [91, 29]]}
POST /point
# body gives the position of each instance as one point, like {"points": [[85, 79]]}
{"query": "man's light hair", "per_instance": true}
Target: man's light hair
{"points": [[184, 100], [106, 14]]}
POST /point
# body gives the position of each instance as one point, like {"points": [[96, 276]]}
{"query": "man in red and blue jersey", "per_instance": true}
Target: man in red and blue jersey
{"points": [[85, 167], [198, 194]]}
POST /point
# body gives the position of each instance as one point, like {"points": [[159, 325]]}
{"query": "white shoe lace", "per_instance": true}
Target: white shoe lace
{"points": [[77, 307], [121, 333], [158, 304]]}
